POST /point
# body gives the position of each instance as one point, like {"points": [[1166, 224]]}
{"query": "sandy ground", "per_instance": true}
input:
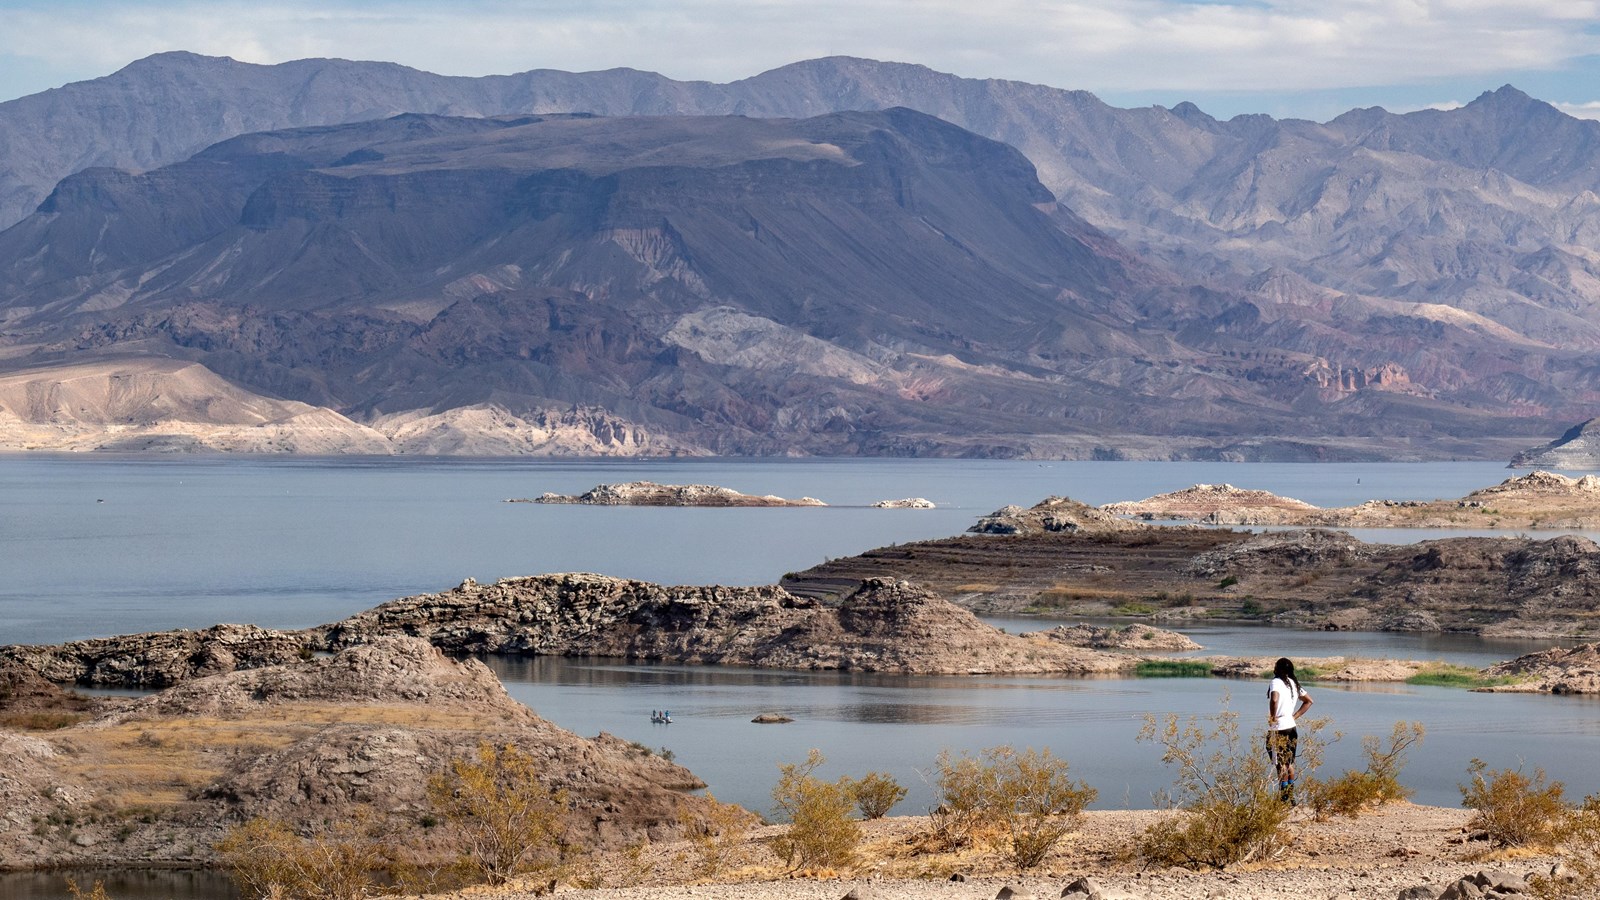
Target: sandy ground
{"points": [[1375, 856]]}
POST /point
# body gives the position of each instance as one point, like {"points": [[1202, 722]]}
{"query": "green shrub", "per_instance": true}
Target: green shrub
{"points": [[1378, 783], [1172, 668], [820, 832], [1449, 675], [1228, 582], [1230, 809], [876, 793], [1510, 808]]}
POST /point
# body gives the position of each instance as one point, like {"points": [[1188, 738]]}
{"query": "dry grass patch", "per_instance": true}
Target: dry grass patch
{"points": [[161, 762]]}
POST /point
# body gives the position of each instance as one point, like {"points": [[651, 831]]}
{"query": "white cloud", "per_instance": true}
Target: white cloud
{"points": [[1589, 110], [1105, 45]]}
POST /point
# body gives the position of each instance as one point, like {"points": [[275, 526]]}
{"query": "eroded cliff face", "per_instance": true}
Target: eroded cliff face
{"points": [[357, 733], [1578, 448]]}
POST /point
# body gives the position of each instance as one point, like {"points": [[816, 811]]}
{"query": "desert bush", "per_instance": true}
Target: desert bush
{"points": [[1577, 844], [1038, 802], [1510, 808], [1378, 782], [97, 892], [1226, 789], [821, 832], [496, 815], [876, 793], [1021, 803], [717, 835], [345, 860]]}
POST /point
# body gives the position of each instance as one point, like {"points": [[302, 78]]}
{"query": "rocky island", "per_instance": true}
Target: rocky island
{"points": [[648, 493]]}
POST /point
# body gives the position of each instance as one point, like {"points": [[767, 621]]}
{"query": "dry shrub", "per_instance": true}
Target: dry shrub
{"points": [[344, 861], [876, 793], [1577, 842], [821, 832], [1378, 783], [718, 835], [1227, 789], [1510, 808], [1021, 803], [501, 821], [98, 892]]}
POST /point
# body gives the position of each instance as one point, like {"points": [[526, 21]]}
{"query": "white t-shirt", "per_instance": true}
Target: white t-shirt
{"points": [[1285, 698]]}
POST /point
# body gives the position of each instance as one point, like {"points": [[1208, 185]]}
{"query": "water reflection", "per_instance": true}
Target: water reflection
{"points": [[123, 884], [898, 724]]}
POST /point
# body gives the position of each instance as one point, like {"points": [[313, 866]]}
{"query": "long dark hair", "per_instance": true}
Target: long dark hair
{"points": [[1284, 669]]}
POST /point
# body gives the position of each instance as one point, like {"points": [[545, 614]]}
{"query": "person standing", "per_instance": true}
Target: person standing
{"points": [[1286, 702]]}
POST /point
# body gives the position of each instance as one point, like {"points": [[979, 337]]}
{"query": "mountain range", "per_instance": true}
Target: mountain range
{"points": [[799, 262]]}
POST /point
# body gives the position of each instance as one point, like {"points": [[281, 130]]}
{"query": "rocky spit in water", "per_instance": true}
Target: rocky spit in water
{"points": [[1578, 448], [1063, 559], [648, 493]]}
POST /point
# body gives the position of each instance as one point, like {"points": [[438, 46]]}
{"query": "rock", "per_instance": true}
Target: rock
{"points": [[1214, 504], [772, 719], [1501, 881], [648, 493], [907, 503], [1128, 637], [1085, 887], [958, 877], [1052, 515], [1559, 670], [861, 893], [885, 625], [1418, 892], [161, 658], [1013, 893]]}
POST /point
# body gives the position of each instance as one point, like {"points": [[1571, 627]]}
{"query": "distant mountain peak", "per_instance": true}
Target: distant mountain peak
{"points": [[1506, 97]]}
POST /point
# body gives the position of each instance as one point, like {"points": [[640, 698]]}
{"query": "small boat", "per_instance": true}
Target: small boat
{"points": [[663, 717]]}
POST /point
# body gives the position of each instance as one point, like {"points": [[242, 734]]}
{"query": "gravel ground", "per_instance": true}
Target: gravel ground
{"points": [[1375, 856]]}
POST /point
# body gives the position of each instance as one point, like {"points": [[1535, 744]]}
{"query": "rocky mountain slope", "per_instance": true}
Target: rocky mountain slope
{"points": [[1485, 213], [1578, 448], [1381, 285]]}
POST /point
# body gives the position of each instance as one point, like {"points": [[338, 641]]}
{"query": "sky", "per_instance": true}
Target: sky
{"points": [[1303, 58]]}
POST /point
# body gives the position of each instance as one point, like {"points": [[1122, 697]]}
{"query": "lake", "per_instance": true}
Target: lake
{"points": [[99, 545]]}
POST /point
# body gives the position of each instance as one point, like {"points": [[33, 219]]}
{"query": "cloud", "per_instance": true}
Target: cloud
{"points": [[1102, 45], [1588, 110]]}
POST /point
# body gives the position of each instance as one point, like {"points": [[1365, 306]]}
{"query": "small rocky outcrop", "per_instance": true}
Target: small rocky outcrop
{"points": [[769, 718], [1126, 637], [1213, 504], [1278, 551], [884, 626], [648, 493], [905, 503], [23, 690], [160, 658], [1578, 448], [1486, 884], [1053, 515], [1560, 670]]}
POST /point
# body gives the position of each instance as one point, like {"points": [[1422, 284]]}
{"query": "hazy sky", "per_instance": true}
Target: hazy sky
{"points": [[1309, 58]]}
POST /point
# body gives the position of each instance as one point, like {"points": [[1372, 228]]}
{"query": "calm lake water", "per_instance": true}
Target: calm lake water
{"points": [[102, 545], [96, 545]]}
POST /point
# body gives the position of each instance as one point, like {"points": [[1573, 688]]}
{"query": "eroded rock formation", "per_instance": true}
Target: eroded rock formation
{"points": [[648, 493]]}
